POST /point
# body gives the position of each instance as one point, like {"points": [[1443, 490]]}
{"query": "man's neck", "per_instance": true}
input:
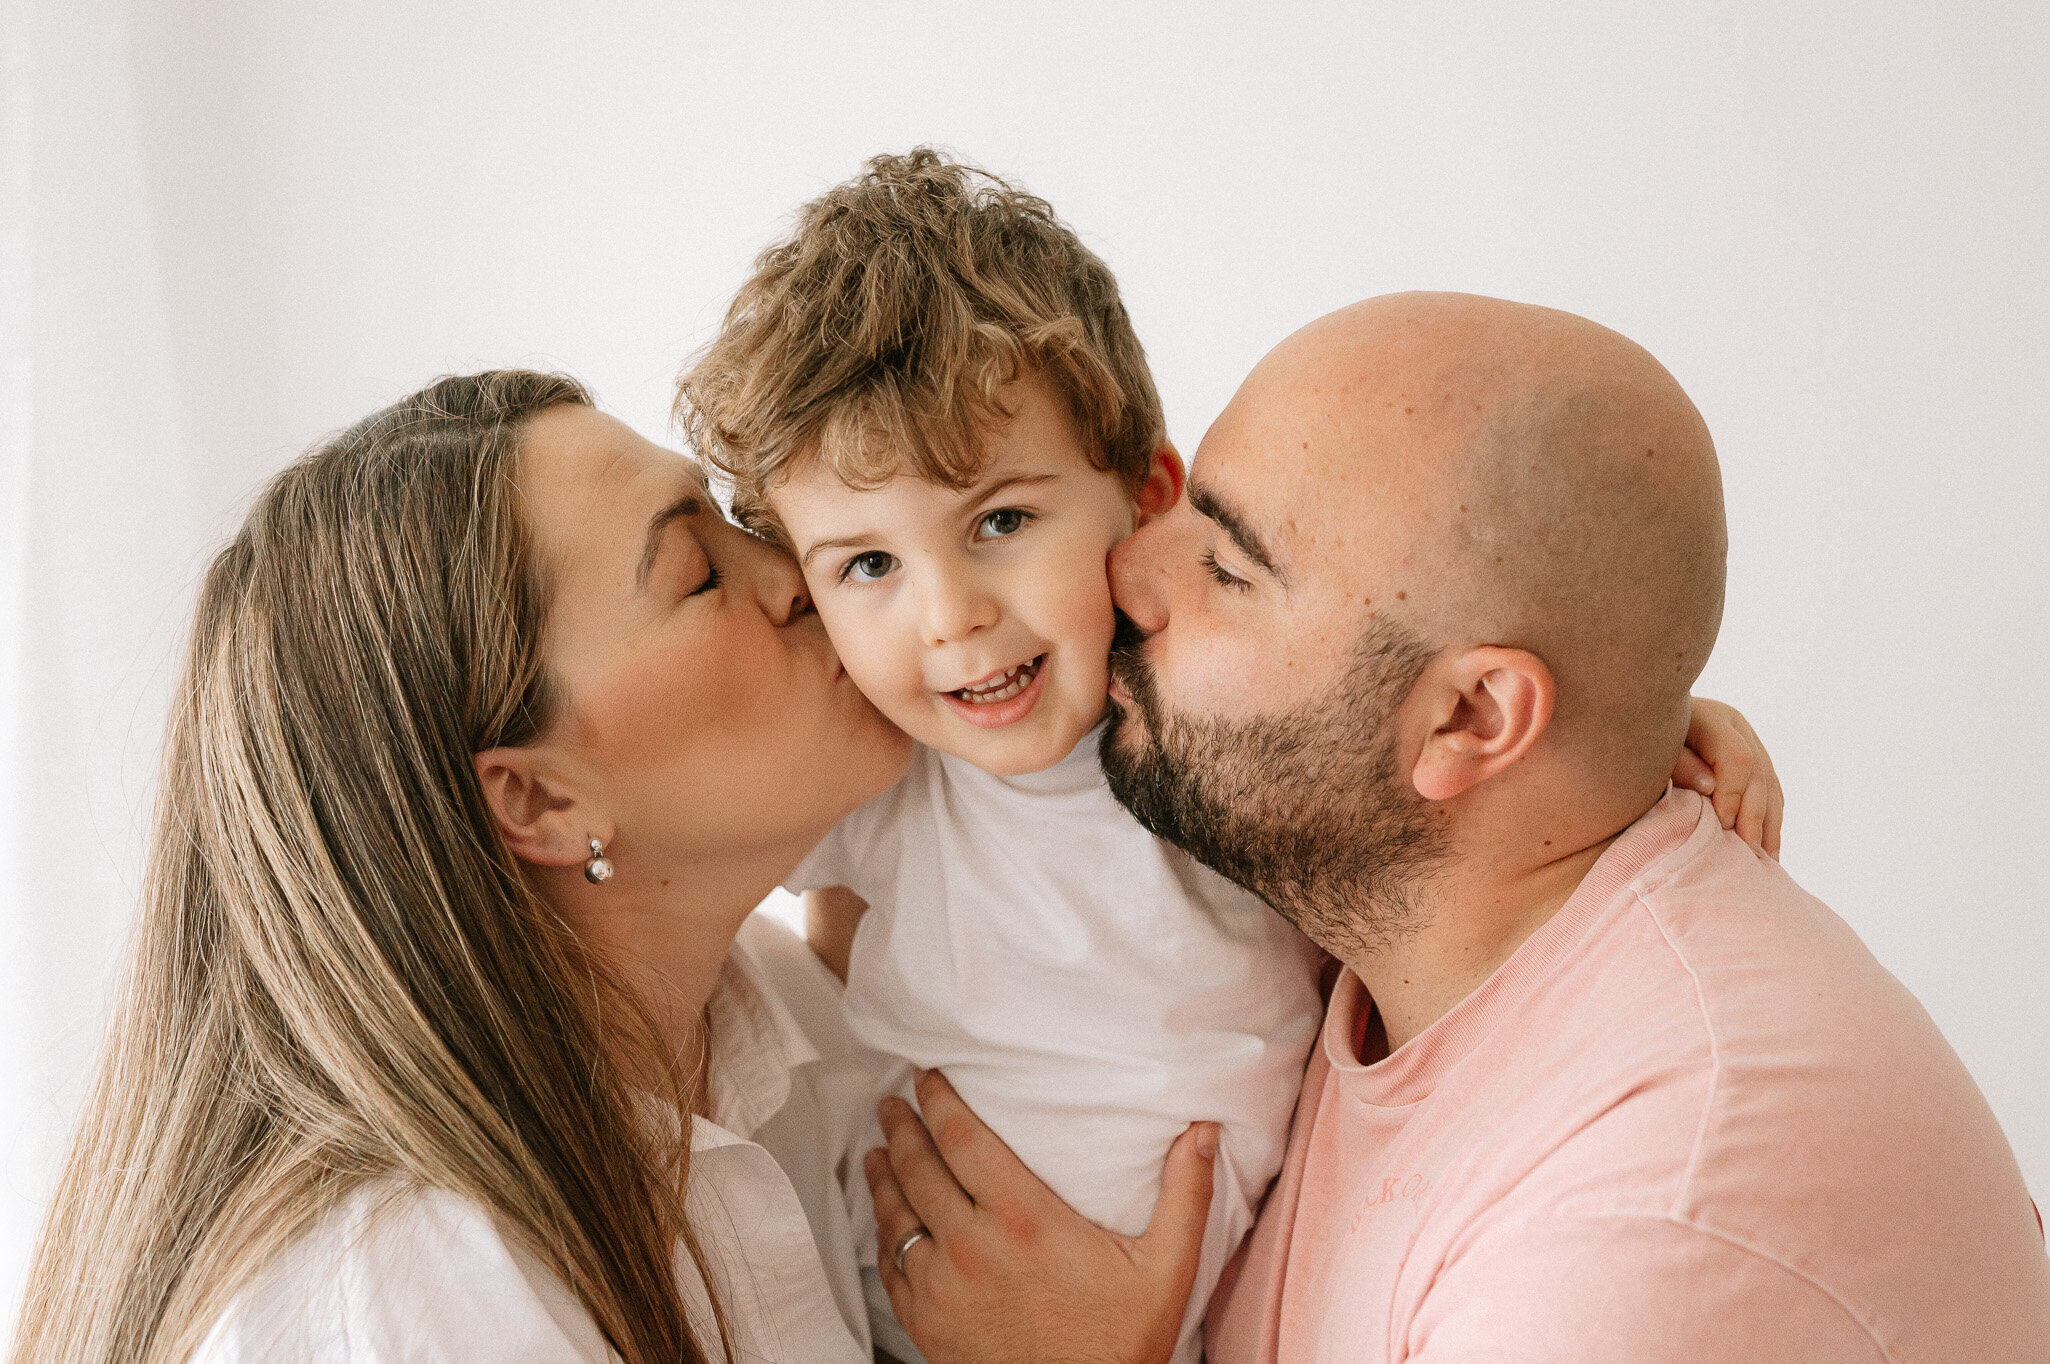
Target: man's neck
{"points": [[1473, 919]]}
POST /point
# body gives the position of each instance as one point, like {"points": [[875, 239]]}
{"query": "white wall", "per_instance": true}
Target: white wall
{"points": [[1827, 219]]}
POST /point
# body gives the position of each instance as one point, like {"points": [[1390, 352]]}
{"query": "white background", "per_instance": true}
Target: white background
{"points": [[232, 226]]}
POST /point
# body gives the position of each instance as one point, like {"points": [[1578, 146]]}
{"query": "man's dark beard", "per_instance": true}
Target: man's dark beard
{"points": [[1306, 809]]}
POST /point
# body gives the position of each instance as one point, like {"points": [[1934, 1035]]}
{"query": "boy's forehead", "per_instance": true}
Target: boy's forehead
{"points": [[1029, 451]]}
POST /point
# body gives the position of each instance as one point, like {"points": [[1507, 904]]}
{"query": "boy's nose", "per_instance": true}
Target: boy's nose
{"points": [[954, 607], [1138, 579]]}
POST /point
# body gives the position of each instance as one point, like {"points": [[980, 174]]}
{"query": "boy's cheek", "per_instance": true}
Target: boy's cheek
{"points": [[893, 686], [919, 720]]}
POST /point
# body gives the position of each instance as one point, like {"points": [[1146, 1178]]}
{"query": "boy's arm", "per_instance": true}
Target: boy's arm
{"points": [[1725, 761], [831, 914]]}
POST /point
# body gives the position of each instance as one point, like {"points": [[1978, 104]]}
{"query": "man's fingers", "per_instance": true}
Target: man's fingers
{"points": [[894, 1214], [977, 1157], [894, 1219], [929, 1187], [1187, 1185]]}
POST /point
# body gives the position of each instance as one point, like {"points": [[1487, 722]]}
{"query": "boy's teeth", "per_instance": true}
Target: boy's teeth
{"points": [[1002, 687]]}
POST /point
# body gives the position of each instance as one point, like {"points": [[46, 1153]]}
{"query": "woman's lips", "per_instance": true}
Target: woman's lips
{"points": [[1009, 711]]}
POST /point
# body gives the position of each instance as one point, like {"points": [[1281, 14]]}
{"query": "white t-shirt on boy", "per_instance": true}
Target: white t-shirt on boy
{"points": [[1088, 989]]}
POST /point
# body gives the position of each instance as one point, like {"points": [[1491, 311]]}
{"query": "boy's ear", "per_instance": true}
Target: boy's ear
{"points": [[1488, 706], [541, 821], [1162, 488]]}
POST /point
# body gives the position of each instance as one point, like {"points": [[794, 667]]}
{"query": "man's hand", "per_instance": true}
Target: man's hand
{"points": [[1011, 1273], [1725, 761]]}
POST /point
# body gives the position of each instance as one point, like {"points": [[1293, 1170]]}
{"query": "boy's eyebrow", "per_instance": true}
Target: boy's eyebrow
{"points": [[844, 542], [1206, 502], [690, 504], [1015, 480]]}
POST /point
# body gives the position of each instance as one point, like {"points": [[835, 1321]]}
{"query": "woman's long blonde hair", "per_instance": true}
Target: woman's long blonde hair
{"points": [[338, 972]]}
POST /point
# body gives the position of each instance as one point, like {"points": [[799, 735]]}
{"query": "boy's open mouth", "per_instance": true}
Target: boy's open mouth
{"points": [[1001, 686]]}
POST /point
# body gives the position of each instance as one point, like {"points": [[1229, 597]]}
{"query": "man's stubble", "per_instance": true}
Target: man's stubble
{"points": [[1307, 809]]}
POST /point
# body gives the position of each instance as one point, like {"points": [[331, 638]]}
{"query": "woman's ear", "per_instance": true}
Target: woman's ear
{"points": [[1162, 488], [540, 820], [1490, 706]]}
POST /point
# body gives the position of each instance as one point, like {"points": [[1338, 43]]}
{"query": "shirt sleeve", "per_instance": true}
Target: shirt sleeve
{"points": [[416, 1276], [1643, 1288]]}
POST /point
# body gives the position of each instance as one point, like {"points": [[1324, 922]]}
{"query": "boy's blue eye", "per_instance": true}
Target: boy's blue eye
{"points": [[1004, 521], [866, 568]]}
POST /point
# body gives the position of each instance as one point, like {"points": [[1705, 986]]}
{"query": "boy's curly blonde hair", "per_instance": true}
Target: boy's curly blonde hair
{"points": [[875, 339]]}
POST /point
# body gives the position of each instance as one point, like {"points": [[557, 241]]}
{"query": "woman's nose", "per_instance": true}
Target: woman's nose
{"points": [[778, 582], [954, 606], [1138, 580]]}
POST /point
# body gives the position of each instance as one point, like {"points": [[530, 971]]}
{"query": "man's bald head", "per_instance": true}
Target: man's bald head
{"points": [[1557, 492], [1437, 547]]}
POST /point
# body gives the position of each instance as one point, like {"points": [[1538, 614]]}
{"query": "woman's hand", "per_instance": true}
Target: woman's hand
{"points": [[1009, 1274], [1725, 761]]}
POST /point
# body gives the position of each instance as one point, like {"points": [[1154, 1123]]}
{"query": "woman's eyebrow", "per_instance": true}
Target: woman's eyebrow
{"points": [[690, 504]]}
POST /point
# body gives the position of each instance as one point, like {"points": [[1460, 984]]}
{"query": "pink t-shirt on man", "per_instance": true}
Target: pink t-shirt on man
{"points": [[1691, 1119]]}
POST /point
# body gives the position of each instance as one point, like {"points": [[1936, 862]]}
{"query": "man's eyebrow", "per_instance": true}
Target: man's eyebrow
{"points": [[690, 504], [1207, 503]]}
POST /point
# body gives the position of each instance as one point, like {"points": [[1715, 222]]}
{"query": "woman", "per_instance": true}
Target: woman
{"points": [[491, 735]]}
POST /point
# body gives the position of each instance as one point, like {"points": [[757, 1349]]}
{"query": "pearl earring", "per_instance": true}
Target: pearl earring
{"points": [[599, 869]]}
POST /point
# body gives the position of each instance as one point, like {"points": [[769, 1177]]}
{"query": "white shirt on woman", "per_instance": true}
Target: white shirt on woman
{"points": [[1089, 990], [400, 1272]]}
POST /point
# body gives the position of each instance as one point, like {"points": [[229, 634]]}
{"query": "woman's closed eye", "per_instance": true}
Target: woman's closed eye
{"points": [[867, 568], [995, 525]]}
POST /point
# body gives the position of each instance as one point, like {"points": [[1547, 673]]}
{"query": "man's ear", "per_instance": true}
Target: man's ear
{"points": [[1162, 488], [1490, 705], [541, 821]]}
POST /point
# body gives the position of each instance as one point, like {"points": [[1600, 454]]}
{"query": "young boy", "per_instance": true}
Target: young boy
{"points": [[932, 396]]}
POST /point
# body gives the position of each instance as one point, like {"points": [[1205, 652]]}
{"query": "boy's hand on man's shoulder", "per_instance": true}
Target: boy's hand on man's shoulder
{"points": [[1726, 761]]}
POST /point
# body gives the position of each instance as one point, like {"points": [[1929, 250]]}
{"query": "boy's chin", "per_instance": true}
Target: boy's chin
{"points": [[1014, 751]]}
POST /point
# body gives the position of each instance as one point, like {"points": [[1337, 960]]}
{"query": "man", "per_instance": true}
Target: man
{"points": [[1596, 1082]]}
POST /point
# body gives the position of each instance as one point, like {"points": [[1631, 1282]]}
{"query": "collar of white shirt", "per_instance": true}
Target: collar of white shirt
{"points": [[756, 1044]]}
